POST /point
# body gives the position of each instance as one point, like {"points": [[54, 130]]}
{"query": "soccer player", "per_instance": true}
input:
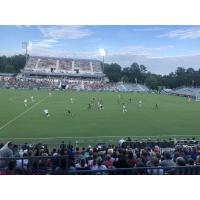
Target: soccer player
{"points": [[189, 99], [101, 101], [124, 108], [89, 106], [32, 99], [69, 113], [71, 100], [156, 107], [140, 103], [46, 112], [100, 106], [25, 102], [130, 100], [50, 94]]}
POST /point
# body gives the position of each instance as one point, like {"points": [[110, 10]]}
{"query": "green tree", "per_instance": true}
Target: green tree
{"points": [[10, 68], [151, 82], [113, 72], [135, 72], [125, 79], [12, 64]]}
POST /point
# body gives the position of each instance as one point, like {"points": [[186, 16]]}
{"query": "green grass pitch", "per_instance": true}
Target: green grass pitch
{"points": [[175, 115]]}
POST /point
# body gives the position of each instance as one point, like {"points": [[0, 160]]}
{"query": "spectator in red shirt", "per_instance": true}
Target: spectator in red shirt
{"points": [[108, 162]]}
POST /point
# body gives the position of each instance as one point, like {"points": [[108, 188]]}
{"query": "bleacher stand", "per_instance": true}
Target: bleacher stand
{"points": [[138, 157], [184, 92]]}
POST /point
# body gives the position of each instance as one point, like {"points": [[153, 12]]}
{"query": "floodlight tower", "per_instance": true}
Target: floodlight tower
{"points": [[26, 45], [103, 54]]}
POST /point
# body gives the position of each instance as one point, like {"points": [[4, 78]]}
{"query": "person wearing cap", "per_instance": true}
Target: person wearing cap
{"points": [[121, 141], [6, 152], [167, 162]]}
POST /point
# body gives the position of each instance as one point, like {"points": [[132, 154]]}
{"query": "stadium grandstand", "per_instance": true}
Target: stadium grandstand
{"points": [[63, 68], [191, 92], [131, 87], [63, 73]]}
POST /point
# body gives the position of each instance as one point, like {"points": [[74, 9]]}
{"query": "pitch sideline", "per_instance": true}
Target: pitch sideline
{"points": [[95, 137], [21, 114]]}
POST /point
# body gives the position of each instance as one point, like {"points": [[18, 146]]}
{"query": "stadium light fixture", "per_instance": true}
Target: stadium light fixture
{"points": [[102, 53], [26, 46], [30, 45]]}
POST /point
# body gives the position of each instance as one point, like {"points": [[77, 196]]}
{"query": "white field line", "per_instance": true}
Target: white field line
{"points": [[95, 137], [21, 114]]}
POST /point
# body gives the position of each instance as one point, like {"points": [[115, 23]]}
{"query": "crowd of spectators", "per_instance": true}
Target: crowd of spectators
{"points": [[28, 83], [98, 86], [51, 84], [38, 159], [86, 84]]}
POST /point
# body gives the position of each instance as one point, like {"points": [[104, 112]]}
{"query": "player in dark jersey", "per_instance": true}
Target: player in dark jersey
{"points": [[101, 101], [156, 107], [89, 106], [69, 113]]}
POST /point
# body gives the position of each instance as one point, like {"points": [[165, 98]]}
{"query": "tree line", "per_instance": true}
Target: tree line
{"points": [[138, 74], [12, 64]]}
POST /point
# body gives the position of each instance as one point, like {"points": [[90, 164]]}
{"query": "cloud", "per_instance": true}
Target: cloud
{"points": [[23, 26], [65, 32], [140, 50], [182, 34], [46, 43], [149, 29], [50, 52]]}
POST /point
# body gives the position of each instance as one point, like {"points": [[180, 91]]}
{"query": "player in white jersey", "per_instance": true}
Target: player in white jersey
{"points": [[46, 112], [71, 100], [124, 109], [25, 102], [50, 94], [32, 99], [140, 103], [100, 106]]}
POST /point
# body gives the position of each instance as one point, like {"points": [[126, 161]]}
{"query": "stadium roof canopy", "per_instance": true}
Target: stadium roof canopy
{"points": [[8, 74], [53, 74]]}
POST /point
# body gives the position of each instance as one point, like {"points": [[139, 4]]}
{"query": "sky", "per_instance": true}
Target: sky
{"points": [[160, 48]]}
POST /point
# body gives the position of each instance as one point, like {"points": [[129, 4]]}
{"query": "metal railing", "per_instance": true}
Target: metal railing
{"points": [[31, 165], [59, 165], [178, 170]]}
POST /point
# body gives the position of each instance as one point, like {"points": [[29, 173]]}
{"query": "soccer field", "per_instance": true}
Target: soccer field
{"points": [[175, 115]]}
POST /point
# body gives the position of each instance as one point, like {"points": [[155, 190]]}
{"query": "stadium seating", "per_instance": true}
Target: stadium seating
{"points": [[47, 63], [82, 65], [31, 64], [131, 88], [96, 66], [40, 64], [65, 65], [185, 91]]}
